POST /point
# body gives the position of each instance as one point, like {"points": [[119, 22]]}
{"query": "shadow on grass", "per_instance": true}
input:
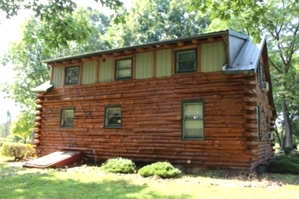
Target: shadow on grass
{"points": [[20, 183]]}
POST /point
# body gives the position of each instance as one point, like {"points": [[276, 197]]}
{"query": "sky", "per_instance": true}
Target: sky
{"points": [[10, 30]]}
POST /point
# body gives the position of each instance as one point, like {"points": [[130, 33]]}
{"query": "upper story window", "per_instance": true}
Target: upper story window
{"points": [[72, 75], [193, 119], [113, 117], [67, 117], [185, 61], [123, 69]]}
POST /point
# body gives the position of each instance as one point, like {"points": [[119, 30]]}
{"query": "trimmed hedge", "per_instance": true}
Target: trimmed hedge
{"points": [[284, 164], [119, 165], [18, 151], [161, 169]]}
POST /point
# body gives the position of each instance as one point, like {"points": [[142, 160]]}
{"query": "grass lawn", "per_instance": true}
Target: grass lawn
{"points": [[89, 182]]}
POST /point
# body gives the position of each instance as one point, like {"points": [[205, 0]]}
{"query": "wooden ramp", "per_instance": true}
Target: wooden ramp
{"points": [[56, 159]]}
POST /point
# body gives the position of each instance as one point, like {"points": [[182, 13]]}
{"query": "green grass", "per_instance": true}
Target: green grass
{"points": [[89, 182]]}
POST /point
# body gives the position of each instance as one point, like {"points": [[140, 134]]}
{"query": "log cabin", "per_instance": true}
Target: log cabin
{"points": [[204, 100]]}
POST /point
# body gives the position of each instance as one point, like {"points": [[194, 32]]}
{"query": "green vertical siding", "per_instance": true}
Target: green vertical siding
{"points": [[163, 63], [212, 57], [89, 72], [106, 70], [58, 76], [144, 65]]}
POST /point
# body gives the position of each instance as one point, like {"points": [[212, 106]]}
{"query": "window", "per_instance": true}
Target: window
{"points": [[192, 119], [113, 117], [123, 69], [258, 118], [260, 73], [67, 117], [185, 61], [71, 75]]}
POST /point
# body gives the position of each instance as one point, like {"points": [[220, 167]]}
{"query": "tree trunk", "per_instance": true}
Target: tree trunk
{"points": [[288, 135]]}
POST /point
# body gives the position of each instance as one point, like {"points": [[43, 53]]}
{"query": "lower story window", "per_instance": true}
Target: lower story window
{"points": [[67, 117], [113, 117], [192, 119]]}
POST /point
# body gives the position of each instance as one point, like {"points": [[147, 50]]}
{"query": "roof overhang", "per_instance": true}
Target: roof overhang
{"points": [[45, 87], [150, 45]]}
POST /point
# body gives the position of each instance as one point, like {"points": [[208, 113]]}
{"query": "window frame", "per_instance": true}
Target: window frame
{"points": [[176, 61], [201, 119], [106, 117], [61, 118], [66, 76], [116, 68], [258, 117]]}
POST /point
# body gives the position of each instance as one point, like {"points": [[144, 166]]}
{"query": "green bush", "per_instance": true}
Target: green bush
{"points": [[119, 165], [17, 150], [284, 164], [161, 169]]}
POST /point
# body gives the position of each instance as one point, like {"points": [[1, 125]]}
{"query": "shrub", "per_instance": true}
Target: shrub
{"points": [[284, 164], [119, 165], [161, 169], [17, 150]]}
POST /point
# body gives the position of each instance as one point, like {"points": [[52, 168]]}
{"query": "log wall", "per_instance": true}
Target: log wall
{"points": [[151, 120]]}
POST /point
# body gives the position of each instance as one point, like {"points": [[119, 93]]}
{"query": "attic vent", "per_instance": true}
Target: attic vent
{"points": [[265, 86]]}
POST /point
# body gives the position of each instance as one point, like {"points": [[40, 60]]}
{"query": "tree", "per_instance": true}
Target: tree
{"points": [[23, 125], [56, 16], [279, 21], [7, 124], [155, 20]]}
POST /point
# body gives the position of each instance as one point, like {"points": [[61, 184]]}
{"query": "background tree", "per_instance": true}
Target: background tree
{"points": [[55, 14], [155, 20], [279, 21], [23, 125]]}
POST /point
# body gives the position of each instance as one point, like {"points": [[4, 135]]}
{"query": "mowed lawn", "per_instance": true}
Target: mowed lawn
{"points": [[89, 182]]}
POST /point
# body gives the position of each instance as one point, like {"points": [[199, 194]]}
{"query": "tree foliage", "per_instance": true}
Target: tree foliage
{"points": [[278, 20], [23, 125], [59, 25]]}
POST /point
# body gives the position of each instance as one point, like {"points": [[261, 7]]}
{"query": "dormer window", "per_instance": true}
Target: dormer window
{"points": [[185, 61], [72, 75], [123, 69]]}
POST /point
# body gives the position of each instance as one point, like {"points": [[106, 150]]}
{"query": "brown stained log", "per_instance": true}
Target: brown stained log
{"points": [[211, 39], [75, 61], [180, 44], [116, 53], [67, 62], [151, 120], [195, 41], [140, 50], [86, 59], [128, 52]]}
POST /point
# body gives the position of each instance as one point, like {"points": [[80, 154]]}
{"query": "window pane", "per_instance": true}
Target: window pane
{"points": [[186, 66], [193, 128], [186, 56], [113, 117], [186, 61], [124, 73], [193, 111], [121, 64], [72, 75], [67, 118]]}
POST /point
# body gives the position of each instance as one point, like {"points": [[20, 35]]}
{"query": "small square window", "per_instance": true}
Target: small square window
{"points": [[113, 117], [185, 61], [67, 117], [192, 120], [71, 75], [123, 69]]}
